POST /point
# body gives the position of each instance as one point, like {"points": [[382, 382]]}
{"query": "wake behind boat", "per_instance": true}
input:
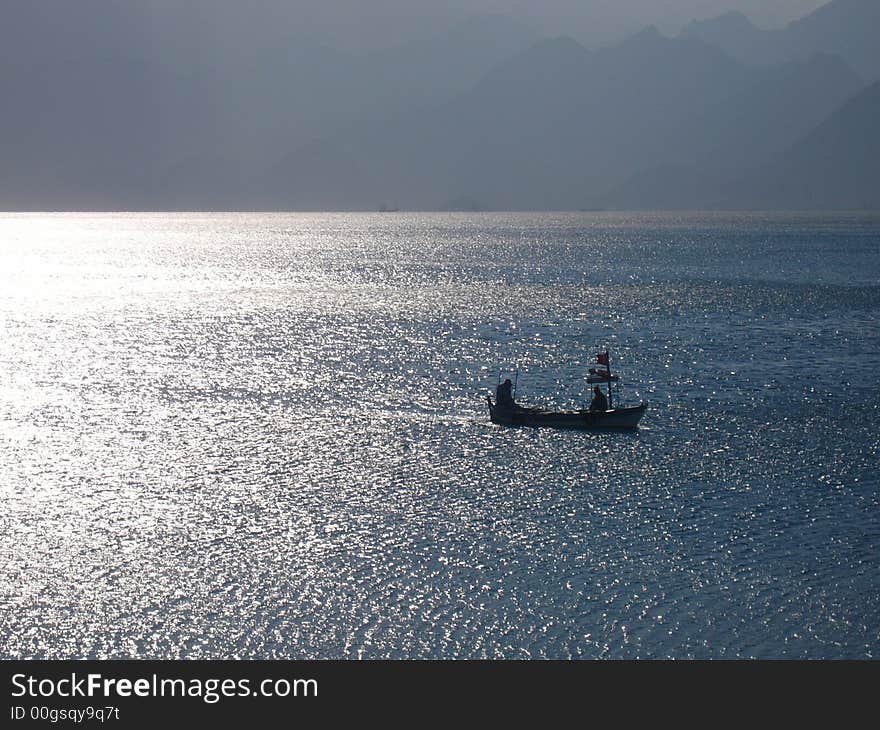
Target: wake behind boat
{"points": [[599, 416]]}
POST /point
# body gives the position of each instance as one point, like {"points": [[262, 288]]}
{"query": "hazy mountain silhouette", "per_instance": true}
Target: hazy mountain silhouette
{"points": [[832, 166], [848, 28], [162, 105], [736, 35], [557, 126]]}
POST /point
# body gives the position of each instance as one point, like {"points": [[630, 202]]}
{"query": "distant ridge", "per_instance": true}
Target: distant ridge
{"points": [[483, 114], [848, 28], [560, 127], [834, 166]]}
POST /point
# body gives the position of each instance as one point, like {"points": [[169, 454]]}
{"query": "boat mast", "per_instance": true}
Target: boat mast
{"points": [[608, 365]]}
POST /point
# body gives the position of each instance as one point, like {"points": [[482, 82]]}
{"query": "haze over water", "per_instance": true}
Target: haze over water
{"points": [[265, 436]]}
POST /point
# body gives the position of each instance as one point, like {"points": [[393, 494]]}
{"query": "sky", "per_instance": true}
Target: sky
{"points": [[591, 21], [360, 25]]}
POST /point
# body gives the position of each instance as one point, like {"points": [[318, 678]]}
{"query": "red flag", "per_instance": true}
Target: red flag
{"points": [[602, 359]]}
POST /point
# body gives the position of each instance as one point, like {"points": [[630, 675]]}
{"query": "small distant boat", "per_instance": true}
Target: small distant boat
{"points": [[506, 412], [612, 419]]}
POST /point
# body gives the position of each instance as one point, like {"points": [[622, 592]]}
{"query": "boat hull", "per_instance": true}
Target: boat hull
{"points": [[614, 419]]}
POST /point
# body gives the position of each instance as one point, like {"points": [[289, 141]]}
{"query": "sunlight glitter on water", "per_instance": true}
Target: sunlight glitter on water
{"points": [[264, 436]]}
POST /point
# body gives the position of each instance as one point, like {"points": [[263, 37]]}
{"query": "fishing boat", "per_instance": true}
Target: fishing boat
{"points": [[602, 415]]}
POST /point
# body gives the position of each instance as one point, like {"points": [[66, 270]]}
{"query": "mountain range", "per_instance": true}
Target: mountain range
{"points": [[482, 115], [847, 28], [832, 167], [557, 126]]}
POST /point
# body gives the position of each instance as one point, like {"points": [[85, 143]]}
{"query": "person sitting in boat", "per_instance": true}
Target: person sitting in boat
{"points": [[504, 395], [599, 402]]}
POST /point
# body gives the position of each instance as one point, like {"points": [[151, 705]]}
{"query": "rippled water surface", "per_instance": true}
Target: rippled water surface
{"points": [[265, 436]]}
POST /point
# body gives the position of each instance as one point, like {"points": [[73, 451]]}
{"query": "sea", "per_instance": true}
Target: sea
{"points": [[265, 436]]}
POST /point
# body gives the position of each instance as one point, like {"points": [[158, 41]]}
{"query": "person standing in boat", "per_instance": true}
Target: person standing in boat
{"points": [[599, 402], [504, 395]]}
